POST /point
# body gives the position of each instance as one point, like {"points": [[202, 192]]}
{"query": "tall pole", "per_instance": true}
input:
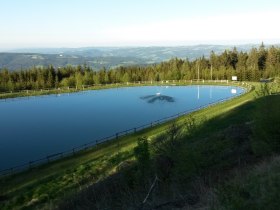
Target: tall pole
{"points": [[211, 72], [198, 70]]}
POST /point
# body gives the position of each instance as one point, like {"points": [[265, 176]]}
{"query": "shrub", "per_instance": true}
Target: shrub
{"points": [[142, 154]]}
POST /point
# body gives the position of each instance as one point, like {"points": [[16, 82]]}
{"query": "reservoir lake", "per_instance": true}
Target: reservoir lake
{"points": [[35, 127]]}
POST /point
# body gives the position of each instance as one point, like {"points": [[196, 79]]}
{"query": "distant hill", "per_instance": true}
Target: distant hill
{"points": [[16, 61], [108, 57]]}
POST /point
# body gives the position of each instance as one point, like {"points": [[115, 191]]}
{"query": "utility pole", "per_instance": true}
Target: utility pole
{"points": [[211, 72], [198, 70]]}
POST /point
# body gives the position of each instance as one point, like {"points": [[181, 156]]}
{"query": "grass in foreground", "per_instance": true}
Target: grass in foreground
{"points": [[256, 189]]}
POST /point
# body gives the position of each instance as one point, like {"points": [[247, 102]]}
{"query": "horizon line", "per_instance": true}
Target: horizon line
{"points": [[140, 46]]}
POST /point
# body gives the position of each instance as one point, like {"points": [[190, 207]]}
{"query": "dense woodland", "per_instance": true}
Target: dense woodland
{"points": [[250, 66]]}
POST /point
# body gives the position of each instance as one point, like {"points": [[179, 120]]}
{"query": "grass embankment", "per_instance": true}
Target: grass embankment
{"points": [[48, 184], [229, 159]]}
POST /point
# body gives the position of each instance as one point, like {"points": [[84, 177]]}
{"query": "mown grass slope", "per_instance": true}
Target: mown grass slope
{"points": [[203, 162]]}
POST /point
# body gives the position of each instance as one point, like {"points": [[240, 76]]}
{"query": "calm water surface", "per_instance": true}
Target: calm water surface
{"points": [[39, 126]]}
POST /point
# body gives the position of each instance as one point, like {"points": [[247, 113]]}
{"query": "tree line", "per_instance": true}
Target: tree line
{"points": [[258, 63]]}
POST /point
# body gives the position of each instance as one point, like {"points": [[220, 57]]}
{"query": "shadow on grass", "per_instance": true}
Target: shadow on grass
{"points": [[209, 153]]}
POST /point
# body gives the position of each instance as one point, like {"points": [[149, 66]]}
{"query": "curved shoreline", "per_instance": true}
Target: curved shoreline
{"points": [[42, 92]]}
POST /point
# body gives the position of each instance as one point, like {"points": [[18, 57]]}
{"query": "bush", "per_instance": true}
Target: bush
{"points": [[142, 154]]}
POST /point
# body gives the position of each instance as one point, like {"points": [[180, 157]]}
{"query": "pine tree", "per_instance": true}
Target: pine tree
{"points": [[262, 57], [233, 58], [56, 83], [50, 80], [253, 59]]}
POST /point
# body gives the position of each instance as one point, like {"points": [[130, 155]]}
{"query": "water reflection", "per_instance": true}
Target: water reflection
{"points": [[233, 91], [158, 97]]}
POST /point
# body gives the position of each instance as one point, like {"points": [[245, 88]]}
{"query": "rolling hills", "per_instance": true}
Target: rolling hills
{"points": [[107, 57]]}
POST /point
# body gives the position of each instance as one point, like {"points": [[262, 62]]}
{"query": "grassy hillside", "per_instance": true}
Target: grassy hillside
{"points": [[197, 152], [212, 162]]}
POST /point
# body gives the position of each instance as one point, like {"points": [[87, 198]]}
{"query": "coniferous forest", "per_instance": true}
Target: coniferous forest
{"points": [[258, 63]]}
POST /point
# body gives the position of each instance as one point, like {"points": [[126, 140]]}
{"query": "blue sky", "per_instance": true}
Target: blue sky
{"points": [[78, 23]]}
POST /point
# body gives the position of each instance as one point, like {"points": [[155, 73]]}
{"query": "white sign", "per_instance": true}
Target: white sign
{"points": [[234, 78]]}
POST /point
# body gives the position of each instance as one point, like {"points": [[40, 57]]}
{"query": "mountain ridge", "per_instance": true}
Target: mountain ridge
{"points": [[108, 57]]}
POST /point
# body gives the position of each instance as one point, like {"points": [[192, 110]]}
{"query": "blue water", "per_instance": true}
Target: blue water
{"points": [[32, 128]]}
